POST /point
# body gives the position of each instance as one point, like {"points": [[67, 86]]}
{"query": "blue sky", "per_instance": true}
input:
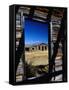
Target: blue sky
{"points": [[35, 32]]}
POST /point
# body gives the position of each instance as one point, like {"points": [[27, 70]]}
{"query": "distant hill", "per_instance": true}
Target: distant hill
{"points": [[35, 44]]}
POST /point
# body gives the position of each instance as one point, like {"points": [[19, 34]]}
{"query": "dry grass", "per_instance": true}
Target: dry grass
{"points": [[37, 57]]}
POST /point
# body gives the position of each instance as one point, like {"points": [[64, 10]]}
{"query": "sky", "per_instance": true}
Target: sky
{"points": [[35, 32]]}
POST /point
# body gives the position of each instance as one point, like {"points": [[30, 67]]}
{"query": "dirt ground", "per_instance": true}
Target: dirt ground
{"points": [[37, 57]]}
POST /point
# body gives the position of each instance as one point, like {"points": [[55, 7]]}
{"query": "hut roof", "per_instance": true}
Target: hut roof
{"points": [[36, 44]]}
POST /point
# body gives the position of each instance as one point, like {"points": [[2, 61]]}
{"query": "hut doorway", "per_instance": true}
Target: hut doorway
{"points": [[42, 48], [26, 49]]}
